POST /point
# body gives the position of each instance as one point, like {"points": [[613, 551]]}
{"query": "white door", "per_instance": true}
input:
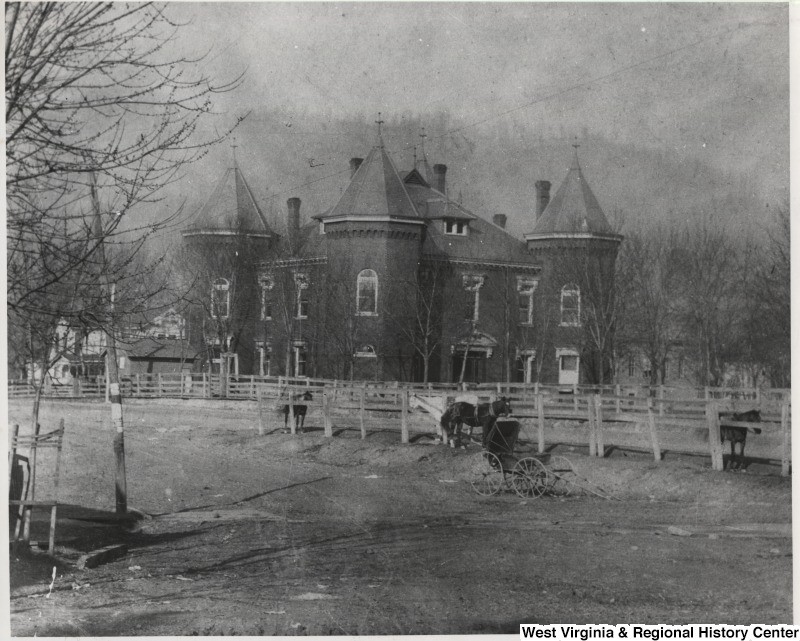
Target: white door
{"points": [[568, 368]]}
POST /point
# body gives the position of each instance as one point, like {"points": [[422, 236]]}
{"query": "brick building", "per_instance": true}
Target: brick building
{"points": [[397, 281]]}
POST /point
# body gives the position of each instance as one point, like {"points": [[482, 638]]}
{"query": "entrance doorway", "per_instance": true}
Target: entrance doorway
{"points": [[474, 370]]}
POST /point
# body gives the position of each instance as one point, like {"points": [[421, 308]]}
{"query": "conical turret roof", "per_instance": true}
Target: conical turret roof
{"points": [[573, 209], [232, 208], [376, 189]]}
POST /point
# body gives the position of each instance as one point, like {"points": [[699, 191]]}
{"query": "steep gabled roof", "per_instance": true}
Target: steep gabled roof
{"points": [[573, 209], [231, 208], [376, 189]]}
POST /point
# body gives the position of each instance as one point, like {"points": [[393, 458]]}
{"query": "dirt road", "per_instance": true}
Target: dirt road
{"points": [[281, 535]]}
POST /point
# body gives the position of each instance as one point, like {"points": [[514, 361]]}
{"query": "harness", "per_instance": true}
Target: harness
{"points": [[490, 414]]}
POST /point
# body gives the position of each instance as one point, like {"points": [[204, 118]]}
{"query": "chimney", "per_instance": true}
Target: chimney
{"points": [[355, 163], [439, 172], [293, 223], [542, 196], [499, 220]]}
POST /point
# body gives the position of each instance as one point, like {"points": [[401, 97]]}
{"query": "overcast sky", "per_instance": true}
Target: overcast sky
{"points": [[698, 81]]}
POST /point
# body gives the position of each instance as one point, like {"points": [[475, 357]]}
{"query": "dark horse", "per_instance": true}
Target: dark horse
{"points": [[736, 434], [299, 411], [484, 414]]}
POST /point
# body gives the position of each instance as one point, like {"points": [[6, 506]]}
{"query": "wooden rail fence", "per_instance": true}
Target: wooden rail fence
{"points": [[606, 413]]}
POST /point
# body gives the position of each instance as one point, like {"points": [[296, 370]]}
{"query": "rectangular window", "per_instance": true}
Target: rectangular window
{"points": [[264, 358], [220, 299], [300, 360], [631, 365], [301, 302], [570, 305], [266, 304], [302, 305], [469, 305], [525, 289], [472, 296]]}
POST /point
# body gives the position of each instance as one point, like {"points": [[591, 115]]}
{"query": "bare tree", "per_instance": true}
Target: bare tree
{"points": [[768, 307], [712, 297], [426, 296], [649, 294], [91, 94]]}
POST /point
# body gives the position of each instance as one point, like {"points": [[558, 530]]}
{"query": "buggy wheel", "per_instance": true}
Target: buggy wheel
{"points": [[487, 477], [562, 476], [529, 478]]}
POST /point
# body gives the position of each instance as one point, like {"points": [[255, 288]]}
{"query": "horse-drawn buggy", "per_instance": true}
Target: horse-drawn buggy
{"points": [[498, 466]]}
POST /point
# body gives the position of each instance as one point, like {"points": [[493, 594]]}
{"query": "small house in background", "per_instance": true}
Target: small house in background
{"points": [[152, 355]]}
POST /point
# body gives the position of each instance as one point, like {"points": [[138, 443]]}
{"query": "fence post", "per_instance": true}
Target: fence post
{"points": [[618, 393], [260, 413], [787, 442], [160, 389], [661, 400], [712, 417], [292, 426], [404, 416], [327, 405], [575, 397], [592, 434], [540, 412], [362, 393], [205, 384], [598, 425], [651, 422]]}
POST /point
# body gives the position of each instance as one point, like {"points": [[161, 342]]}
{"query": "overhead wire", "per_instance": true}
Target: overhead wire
{"points": [[545, 98]]}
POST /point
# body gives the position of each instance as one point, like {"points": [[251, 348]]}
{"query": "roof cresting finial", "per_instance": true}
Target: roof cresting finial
{"points": [[575, 146], [234, 146], [379, 122]]}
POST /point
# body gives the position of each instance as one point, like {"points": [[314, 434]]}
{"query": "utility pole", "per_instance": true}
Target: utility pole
{"points": [[112, 369]]}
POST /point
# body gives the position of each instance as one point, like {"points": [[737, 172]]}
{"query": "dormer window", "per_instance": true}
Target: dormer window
{"points": [[454, 227]]}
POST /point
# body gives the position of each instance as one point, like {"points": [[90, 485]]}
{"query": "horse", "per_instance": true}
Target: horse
{"points": [[299, 412], [737, 434], [483, 414]]}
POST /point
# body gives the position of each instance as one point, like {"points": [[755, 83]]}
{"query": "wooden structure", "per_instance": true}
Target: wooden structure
{"points": [[22, 479]]}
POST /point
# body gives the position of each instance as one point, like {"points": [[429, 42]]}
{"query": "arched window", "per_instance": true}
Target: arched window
{"points": [[220, 299], [366, 351], [570, 305], [367, 293]]}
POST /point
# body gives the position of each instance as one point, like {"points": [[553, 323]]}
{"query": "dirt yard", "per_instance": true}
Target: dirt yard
{"points": [[307, 535]]}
